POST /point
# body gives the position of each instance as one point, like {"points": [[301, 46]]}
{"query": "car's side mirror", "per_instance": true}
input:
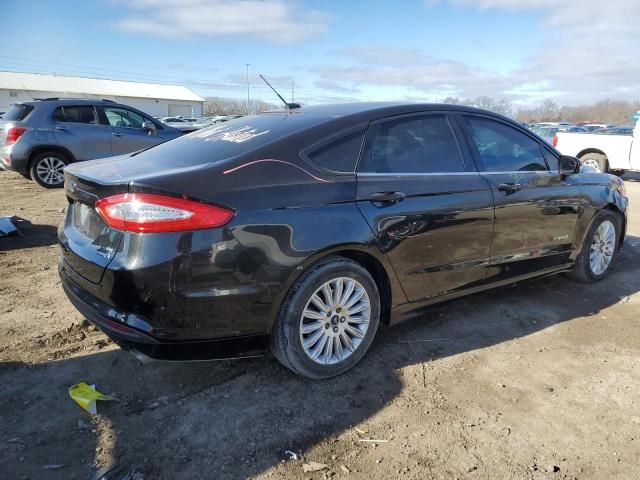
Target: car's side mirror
{"points": [[568, 165], [149, 127]]}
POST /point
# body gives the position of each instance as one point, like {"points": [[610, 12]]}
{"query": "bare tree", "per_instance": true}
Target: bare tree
{"points": [[453, 101], [230, 106], [501, 106], [606, 111]]}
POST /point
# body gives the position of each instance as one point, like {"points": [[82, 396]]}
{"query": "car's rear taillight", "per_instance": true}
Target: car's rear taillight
{"points": [[554, 142], [13, 134], [150, 213]]}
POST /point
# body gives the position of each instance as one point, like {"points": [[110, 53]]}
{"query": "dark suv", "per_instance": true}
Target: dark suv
{"points": [[38, 139]]}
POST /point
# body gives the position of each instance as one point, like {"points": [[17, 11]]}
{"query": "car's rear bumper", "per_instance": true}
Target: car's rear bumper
{"points": [[133, 333], [12, 157]]}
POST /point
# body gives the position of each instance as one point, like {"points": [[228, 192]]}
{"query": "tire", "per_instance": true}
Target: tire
{"points": [[287, 337], [618, 173], [46, 169], [583, 270], [596, 160]]}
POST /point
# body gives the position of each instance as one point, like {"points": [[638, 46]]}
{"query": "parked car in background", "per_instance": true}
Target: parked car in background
{"points": [[615, 153], [547, 132], [179, 124], [39, 138], [590, 127], [209, 121], [617, 130], [554, 124], [301, 231], [205, 122]]}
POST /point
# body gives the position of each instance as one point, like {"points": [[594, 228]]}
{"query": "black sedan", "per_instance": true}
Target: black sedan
{"points": [[300, 231]]}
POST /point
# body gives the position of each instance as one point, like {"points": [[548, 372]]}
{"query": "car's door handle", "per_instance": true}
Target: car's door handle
{"points": [[387, 197], [61, 129], [117, 134], [509, 187]]}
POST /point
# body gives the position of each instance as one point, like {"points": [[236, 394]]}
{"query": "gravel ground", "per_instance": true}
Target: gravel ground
{"points": [[539, 380]]}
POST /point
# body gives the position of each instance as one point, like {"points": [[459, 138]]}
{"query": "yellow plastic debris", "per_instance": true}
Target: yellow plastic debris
{"points": [[86, 396]]}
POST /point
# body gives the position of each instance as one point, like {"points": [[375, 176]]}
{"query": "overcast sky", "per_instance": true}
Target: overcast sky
{"points": [[573, 51]]}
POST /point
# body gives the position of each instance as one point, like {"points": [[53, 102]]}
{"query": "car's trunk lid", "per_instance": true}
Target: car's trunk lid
{"points": [[88, 244]]}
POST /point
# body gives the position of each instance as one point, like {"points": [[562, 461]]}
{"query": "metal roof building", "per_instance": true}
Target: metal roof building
{"points": [[152, 98]]}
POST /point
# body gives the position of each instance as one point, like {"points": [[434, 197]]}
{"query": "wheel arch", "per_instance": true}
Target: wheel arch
{"points": [[584, 152], [371, 259], [48, 148], [614, 208], [380, 276]]}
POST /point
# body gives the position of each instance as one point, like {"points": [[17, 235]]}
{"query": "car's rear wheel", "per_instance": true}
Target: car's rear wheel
{"points": [[47, 169], [595, 160], [599, 249], [328, 320]]}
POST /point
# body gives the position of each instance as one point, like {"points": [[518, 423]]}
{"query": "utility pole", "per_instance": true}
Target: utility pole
{"points": [[248, 99], [292, 96], [409, 96]]}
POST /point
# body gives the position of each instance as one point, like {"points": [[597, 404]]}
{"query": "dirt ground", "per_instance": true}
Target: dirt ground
{"points": [[539, 380]]}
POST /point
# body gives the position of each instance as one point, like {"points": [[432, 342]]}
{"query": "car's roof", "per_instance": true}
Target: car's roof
{"points": [[68, 100], [376, 109]]}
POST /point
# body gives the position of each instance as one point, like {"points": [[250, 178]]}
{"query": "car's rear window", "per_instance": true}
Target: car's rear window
{"points": [[228, 139], [17, 113]]}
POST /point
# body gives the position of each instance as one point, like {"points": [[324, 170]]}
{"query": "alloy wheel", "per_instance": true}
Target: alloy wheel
{"points": [[335, 321], [51, 170], [602, 247]]}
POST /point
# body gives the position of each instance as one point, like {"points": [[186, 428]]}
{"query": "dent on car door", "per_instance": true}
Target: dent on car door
{"points": [[430, 211], [536, 210], [127, 134]]}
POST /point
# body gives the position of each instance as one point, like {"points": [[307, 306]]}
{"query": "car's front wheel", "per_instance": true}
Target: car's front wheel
{"points": [[47, 169], [328, 320], [599, 249]]}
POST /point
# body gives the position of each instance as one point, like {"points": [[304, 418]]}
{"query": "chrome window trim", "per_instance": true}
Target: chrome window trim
{"points": [[375, 174], [512, 172], [520, 172]]}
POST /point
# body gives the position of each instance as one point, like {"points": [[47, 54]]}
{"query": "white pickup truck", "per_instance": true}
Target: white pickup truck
{"points": [[607, 153]]}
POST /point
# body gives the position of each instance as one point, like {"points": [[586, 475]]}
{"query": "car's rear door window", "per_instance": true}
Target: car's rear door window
{"points": [[413, 144], [77, 114], [503, 148], [339, 154]]}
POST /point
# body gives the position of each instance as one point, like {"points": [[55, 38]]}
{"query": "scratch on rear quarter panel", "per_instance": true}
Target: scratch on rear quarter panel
{"points": [[231, 170]]}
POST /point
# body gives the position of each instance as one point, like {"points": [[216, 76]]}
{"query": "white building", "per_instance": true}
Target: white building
{"points": [[154, 99]]}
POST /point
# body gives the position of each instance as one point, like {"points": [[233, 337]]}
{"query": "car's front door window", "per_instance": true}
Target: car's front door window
{"points": [[502, 148], [123, 118]]}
